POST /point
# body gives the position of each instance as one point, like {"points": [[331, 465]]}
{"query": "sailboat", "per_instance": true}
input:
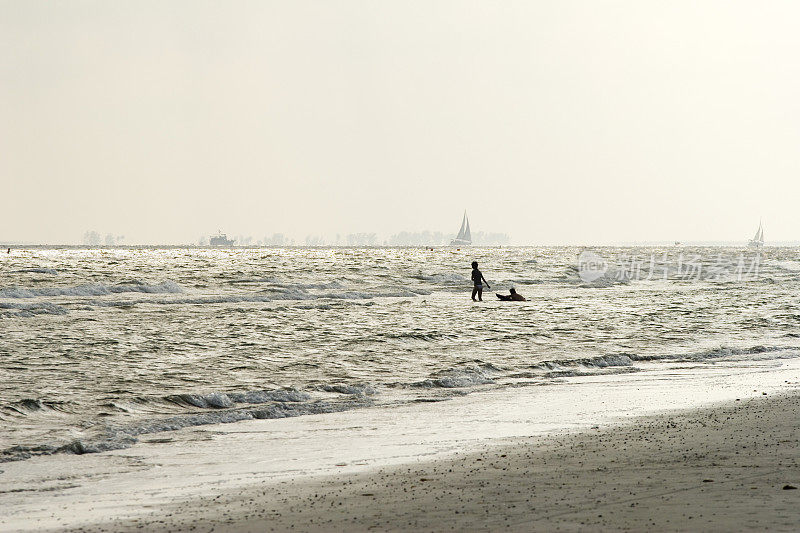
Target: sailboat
{"points": [[758, 240], [464, 237]]}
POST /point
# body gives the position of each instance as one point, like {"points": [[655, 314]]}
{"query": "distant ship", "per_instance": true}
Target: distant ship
{"points": [[464, 237], [220, 239], [758, 240]]}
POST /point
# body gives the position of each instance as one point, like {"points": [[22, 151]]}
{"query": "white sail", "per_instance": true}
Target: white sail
{"points": [[463, 229], [759, 233], [464, 236], [758, 239]]}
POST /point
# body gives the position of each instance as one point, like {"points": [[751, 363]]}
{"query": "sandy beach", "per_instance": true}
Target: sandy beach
{"points": [[668, 448], [726, 468]]}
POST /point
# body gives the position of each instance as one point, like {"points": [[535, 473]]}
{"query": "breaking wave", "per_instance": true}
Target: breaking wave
{"points": [[234, 406], [13, 309], [269, 405], [603, 361], [90, 290], [725, 352], [459, 377], [358, 389], [219, 400]]}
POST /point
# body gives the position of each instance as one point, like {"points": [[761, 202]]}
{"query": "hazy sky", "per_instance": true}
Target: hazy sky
{"points": [[556, 122]]}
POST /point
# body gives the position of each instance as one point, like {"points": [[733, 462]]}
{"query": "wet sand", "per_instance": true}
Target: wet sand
{"points": [[720, 468]]}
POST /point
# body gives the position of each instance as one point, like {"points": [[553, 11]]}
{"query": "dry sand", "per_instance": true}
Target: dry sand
{"points": [[715, 469]]}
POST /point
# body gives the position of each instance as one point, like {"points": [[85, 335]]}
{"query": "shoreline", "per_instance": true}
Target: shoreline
{"points": [[719, 468], [264, 473]]}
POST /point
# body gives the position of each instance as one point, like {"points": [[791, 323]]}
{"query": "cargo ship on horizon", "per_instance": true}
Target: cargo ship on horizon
{"points": [[220, 239]]}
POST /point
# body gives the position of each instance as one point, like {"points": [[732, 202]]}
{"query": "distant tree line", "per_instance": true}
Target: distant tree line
{"points": [[93, 238], [437, 238], [404, 238]]}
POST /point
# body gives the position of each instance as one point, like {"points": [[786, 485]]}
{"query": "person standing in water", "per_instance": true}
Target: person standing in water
{"points": [[478, 280]]}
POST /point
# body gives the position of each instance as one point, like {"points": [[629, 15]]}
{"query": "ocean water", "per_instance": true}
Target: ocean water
{"points": [[100, 346]]}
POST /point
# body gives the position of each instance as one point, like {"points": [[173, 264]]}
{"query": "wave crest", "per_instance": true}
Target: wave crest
{"points": [[91, 290]]}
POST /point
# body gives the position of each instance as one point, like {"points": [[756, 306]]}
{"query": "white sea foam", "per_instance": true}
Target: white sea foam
{"points": [[602, 361], [90, 290], [457, 378], [219, 400], [357, 389]]}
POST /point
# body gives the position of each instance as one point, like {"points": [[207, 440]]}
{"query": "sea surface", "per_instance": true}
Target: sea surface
{"points": [[99, 346]]}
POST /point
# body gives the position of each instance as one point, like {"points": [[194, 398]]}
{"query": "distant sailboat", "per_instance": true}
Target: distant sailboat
{"points": [[464, 237], [758, 240]]}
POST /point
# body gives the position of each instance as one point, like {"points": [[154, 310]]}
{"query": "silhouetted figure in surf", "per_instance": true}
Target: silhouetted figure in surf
{"points": [[478, 280], [513, 297]]}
